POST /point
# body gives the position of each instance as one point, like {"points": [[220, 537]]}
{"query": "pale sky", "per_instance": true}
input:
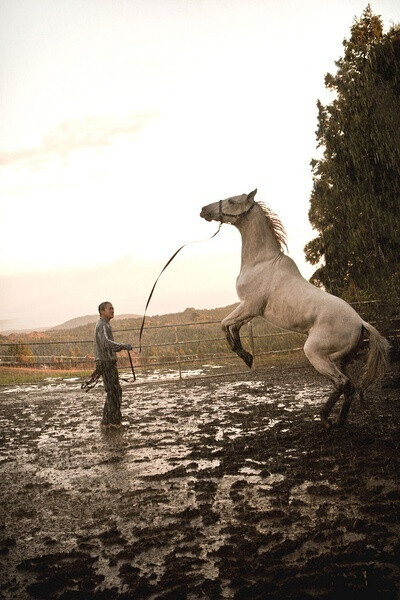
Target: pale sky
{"points": [[120, 119]]}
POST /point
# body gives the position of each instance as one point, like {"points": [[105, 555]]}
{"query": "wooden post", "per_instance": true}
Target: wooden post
{"points": [[177, 353]]}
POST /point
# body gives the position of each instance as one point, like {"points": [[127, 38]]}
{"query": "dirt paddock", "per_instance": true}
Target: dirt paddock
{"points": [[214, 488]]}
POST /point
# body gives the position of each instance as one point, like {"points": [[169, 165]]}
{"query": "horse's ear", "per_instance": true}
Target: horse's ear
{"points": [[252, 194]]}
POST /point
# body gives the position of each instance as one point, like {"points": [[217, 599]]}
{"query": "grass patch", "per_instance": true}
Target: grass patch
{"points": [[20, 375]]}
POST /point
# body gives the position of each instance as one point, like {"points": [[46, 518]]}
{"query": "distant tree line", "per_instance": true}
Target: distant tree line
{"points": [[189, 334]]}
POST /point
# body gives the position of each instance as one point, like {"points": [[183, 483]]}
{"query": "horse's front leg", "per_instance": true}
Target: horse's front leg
{"points": [[231, 326]]}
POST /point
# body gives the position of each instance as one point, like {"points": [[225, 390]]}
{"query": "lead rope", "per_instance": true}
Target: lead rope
{"points": [[95, 376], [161, 272], [92, 381]]}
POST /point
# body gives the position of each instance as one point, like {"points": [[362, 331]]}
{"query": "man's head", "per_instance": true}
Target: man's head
{"points": [[106, 310]]}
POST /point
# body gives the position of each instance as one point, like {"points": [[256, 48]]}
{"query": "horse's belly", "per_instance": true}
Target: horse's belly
{"points": [[286, 317]]}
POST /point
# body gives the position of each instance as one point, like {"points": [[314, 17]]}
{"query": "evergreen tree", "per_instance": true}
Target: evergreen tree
{"points": [[355, 201]]}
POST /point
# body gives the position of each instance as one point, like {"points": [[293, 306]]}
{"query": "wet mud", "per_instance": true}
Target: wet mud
{"points": [[214, 488]]}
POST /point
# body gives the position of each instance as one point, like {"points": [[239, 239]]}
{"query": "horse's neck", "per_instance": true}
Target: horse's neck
{"points": [[258, 240]]}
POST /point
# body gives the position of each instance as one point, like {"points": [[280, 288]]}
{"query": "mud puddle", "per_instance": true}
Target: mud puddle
{"points": [[212, 489]]}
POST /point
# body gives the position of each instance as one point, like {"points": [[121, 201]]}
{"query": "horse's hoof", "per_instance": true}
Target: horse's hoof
{"points": [[248, 359], [327, 425]]}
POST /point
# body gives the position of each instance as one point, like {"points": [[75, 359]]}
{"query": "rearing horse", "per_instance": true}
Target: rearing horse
{"points": [[270, 285]]}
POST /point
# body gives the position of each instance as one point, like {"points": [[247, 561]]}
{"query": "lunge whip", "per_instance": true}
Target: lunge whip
{"points": [[161, 272]]}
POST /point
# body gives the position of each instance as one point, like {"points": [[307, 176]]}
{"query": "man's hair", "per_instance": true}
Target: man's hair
{"points": [[103, 306]]}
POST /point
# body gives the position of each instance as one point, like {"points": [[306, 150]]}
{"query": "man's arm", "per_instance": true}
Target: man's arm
{"points": [[106, 341]]}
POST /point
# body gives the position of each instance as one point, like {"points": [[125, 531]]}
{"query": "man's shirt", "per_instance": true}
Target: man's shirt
{"points": [[104, 345]]}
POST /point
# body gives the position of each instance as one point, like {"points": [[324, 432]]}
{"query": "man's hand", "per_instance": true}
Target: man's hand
{"points": [[128, 347]]}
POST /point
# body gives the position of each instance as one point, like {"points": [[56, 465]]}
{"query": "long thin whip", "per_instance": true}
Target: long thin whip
{"points": [[161, 272], [132, 367]]}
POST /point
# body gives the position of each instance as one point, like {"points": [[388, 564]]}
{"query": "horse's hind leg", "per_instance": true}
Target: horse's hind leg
{"points": [[325, 366], [349, 392], [329, 404], [231, 326]]}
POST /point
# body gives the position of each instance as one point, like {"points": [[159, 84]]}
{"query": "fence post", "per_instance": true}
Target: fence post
{"points": [[252, 346], [177, 353]]}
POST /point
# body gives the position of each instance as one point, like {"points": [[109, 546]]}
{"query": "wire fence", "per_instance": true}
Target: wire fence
{"points": [[169, 351], [186, 349]]}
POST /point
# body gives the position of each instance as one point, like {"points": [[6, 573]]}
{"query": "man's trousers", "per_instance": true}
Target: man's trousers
{"points": [[112, 407]]}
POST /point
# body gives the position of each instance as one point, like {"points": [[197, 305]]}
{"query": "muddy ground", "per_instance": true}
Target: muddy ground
{"points": [[214, 488]]}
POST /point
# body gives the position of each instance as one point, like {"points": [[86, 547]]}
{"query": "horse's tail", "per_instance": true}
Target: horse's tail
{"points": [[378, 357]]}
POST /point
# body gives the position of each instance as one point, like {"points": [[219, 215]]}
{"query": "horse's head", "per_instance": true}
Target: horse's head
{"points": [[230, 209]]}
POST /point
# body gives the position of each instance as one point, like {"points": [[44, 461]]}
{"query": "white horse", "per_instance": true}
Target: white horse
{"points": [[270, 285]]}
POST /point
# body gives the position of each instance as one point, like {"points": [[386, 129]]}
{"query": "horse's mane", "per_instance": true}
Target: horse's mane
{"points": [[278, 229]]}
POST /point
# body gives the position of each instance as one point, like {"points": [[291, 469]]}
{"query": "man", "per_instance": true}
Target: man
{"points": [[106, 363]]}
